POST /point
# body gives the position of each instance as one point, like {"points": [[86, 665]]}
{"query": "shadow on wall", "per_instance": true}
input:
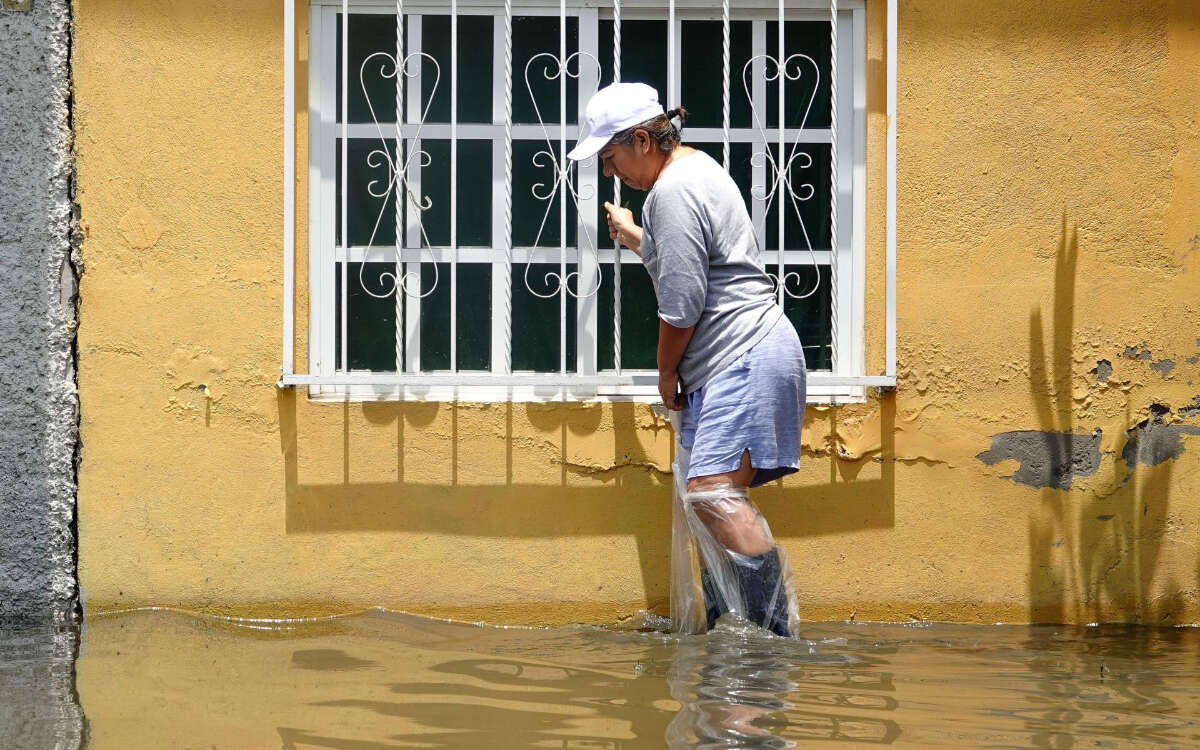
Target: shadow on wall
{"points": [[1093, 556], [630, 500]]}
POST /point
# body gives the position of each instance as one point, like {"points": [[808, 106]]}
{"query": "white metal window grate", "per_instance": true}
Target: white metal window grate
{"points": [[428, 277]]}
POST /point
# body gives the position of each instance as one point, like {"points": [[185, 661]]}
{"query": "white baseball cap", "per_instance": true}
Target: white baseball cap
{"points": [[612, 109]]}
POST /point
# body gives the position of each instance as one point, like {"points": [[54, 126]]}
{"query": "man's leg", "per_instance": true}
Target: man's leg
{"points": [[736, 526], [741, 568]]}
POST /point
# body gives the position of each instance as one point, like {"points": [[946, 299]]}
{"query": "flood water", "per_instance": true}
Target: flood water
{"points": [[160, 679]]}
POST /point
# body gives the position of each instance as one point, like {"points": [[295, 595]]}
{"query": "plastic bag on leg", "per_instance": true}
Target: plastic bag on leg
{"points": [[720, 537], [742, 569], [687, 605]]}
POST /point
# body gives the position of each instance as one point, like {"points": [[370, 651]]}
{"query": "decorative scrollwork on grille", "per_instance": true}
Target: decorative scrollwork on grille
{"points": [[780, 167], [397, 166], [562, 181]]}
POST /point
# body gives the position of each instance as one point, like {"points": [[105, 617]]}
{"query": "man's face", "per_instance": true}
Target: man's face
{"points": [[625, 162]]}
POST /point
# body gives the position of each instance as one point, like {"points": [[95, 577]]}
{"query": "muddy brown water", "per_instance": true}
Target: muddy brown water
{"points": [[161, 679]]}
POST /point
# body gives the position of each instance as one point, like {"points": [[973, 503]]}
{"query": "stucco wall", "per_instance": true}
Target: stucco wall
{"points": [[1049, 288], [38, 406]]}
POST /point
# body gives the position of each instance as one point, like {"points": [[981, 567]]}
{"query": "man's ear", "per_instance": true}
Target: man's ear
{"points": [[643, 141]]}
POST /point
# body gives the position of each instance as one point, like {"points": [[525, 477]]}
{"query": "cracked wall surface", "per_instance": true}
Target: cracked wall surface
{"points": [[1037, 461], [38, 404]]}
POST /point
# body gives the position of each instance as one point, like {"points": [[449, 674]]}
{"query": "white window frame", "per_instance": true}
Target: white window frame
{"points": [[587, 384]]}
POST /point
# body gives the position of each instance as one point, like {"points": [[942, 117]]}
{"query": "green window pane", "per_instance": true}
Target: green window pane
{"points": [[532, 36], [809, 38], [639, 319], [371, 209], [370, 33], [643, 55], [535, 323], [700, 74], [474, 317], [529, 211], [811, 315], [370, 320], [804, 218], [474, 193], [474, 68]]}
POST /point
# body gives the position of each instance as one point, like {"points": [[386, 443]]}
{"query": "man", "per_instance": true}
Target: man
{"points": [[728, 358]]}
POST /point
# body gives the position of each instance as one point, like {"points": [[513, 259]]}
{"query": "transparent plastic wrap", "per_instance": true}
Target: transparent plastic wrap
{"points": [[724, 559]]}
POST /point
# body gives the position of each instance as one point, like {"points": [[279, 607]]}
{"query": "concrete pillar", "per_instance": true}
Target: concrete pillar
{"points": [[39, 406]]}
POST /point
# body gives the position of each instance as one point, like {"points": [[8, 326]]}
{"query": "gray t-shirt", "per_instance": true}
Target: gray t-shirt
{"points": [[699, 247]]}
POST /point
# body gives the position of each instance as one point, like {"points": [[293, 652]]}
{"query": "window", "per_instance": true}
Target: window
{"points": [[448, 311]]}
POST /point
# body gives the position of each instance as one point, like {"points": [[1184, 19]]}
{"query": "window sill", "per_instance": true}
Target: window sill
{"points": [[639, 387]]}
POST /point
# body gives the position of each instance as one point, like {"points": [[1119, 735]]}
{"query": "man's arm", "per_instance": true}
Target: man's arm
{"points": [[672, 342]]}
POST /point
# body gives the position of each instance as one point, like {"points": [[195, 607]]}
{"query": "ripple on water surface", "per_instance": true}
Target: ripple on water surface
{"points": [[156, 679]]}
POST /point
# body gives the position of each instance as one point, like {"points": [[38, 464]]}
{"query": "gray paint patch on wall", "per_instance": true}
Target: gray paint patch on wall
{"points": [[1152, 442], [1133, 352], [1048, 459], [1163, 367], [1102, 370]]}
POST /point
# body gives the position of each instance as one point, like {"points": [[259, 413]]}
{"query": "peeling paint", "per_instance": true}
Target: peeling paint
{"points": [[1133, 352], [1188, 412], [597, 469], [1048, 459], [1163, 367], [1153, 442], [1102, 370]]}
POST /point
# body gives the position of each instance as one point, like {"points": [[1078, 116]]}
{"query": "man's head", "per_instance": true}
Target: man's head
{"points": [[626, 125], [636, 154]]}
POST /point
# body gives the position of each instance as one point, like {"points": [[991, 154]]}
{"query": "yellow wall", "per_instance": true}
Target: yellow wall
{"points": [[1048, 219]]}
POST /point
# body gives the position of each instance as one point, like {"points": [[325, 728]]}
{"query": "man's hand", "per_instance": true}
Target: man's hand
{"points": [[669, 388], [622, 228]]}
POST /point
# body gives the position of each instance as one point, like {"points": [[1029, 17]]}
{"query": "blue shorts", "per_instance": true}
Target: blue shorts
{"points": [[756, 403]]}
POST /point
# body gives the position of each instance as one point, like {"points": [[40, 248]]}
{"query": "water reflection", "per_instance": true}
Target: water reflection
{"points": [[38, 705], [738, 687], [508, 702], [383, 680], [1111, 685]]}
